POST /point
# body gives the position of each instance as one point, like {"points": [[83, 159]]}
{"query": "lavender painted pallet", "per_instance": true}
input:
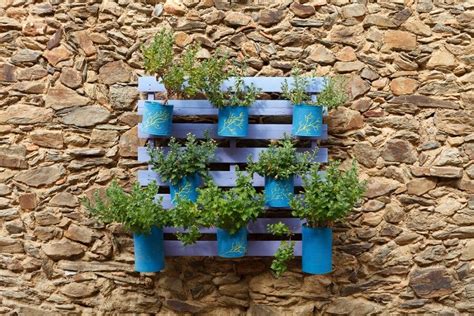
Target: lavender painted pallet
{"points": [[256, 248], [257, 227], [235, 155], [204, 107], [221, 178], [148, 84], [256, 131]]}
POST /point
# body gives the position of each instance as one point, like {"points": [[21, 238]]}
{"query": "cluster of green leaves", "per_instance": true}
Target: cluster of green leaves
{"points": [[214, 73], [297, 93], [334, 93], [281, 160], [231, 209], [285, 251], [189, 216], [177, 162], [138, 210], [180, 76], [328, 197]]}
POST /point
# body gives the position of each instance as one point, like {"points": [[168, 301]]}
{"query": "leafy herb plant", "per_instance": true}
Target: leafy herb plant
{"points": [[215, 73], [189, 216], [231, 209], [334, 93], [181, 76], [281, 160], [138, 210], [177, 162], [285, 251], [297, 92], [330, 197]]}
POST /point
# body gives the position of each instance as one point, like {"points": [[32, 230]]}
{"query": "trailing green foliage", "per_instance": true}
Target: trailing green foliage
{"points": [[159, 59], [189, 216], [178, 162], [215, 73], [298, 92], [138, 210], [231, 209], [330, 197], [281, 160], [334, 93], [285, 251]]}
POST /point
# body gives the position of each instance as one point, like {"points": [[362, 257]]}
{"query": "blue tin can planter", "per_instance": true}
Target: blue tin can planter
{"points": [[186, 188], [149, 251], [232, 246], [157, 118], [307, 120], [278, 192], [233, 121], [317, 250]]}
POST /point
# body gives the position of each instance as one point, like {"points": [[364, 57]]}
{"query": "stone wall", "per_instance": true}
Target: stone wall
{"points": [[68, 73]]}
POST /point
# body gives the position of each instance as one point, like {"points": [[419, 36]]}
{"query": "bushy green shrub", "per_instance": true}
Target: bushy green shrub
{"points": [[329, 197], [285, 251], [138, 210]]}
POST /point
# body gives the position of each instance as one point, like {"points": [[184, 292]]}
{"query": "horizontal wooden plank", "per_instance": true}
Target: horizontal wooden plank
{"points": [[266, 84], [204, 108], [256, 248], [257, 227], [221, 178], [238, 155], [255, 131]]}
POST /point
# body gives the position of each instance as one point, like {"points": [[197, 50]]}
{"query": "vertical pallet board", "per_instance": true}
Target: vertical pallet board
{"points": [[229, 156]]}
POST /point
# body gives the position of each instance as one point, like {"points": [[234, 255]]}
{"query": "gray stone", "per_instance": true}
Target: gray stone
{"points": [[78, 290], [86, 116], [378, 186], [431, 282], [23, 114], [270, 17], [79, 233], [41, 176], [115, 72], [123, 97], [64, 199], [63, 249], [9, 245], [25, 56], [398, 150]]}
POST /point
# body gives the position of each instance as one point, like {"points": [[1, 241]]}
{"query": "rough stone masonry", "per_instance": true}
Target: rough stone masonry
{"points": [[68, 74]]}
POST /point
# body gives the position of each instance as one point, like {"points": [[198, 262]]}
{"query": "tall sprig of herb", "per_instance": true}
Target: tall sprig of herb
{"points": [[181, 76], [188, 216], [215, 73], [281, 160], [286, 249], [334, 93], [138, 210], [328, 197], [176, 162], [297, 91], [231, 209]]}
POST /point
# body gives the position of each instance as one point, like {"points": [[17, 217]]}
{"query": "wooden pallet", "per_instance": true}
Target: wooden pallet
{"points": [[229, 156]]}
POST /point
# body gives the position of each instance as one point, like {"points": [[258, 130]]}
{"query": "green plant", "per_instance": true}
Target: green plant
{"points": [[281, 160], [177, 162], [334, 92], [285, 251], [298, 92], [138, 210], [215, 73], [181, 76], [188, 216], [328, 197], [231, 209]]}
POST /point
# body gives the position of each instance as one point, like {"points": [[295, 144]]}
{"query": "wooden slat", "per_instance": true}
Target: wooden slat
{"points": [[267, 84], [237, 155], [221, 178], [264, 248], [257, 227], [256, 131]]}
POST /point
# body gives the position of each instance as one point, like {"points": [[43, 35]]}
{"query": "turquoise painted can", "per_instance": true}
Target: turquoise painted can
{"points": [[317, 250], [149, 251], [307, 120], [157, 118], [232, 246], [186, 188], [278, 192], [233, 121]]}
